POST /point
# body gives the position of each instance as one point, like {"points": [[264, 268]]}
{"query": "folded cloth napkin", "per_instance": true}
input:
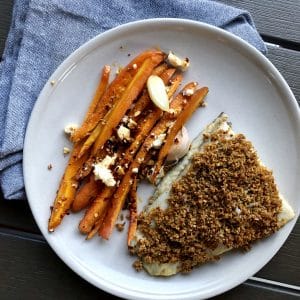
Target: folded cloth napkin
{"points": [[43, 33]]}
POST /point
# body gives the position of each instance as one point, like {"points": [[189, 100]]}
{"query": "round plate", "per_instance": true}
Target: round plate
{"points": [[242, 83]]}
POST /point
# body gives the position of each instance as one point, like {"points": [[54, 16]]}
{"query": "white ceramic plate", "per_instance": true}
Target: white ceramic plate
{"points": [[242, 82]]}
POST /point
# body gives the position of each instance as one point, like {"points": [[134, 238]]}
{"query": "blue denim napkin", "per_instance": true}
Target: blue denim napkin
{"points": [[43, 33]]}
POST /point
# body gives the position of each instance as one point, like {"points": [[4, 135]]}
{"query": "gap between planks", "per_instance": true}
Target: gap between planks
{"points": [[278, 42]]}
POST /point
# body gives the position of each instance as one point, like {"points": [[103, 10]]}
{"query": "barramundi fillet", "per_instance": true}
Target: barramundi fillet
{"points": [[219, 197]]}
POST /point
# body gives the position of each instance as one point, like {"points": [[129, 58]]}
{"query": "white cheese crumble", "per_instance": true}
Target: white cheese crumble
{"points": [[66, 150], [70, 128], [125, 119], [188, 92], [102, 171], [135, 170], [178, 62], [157, 143], [123, 133]]}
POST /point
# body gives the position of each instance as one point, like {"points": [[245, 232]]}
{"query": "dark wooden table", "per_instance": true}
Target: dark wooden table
{"points": [[29, 268]]}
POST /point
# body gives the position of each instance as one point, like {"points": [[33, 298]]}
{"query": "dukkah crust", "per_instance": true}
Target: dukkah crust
{"points": [[227, 198]]}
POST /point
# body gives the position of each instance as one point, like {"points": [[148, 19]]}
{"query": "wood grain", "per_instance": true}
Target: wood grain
{"points": [[279, 18], [285, 265], [17, 215], [288, 63], [5, 17]]}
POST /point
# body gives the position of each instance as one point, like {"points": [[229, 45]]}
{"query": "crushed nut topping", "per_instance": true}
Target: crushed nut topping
{"points": [[210, 206], [120, 226]]}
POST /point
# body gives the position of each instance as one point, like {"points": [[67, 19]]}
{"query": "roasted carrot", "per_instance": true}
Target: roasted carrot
{"points": [[67, 189], [105, 128], [150, 120], [96, 227], [118, 200], [102, 86], [196, 101], [113, 93], [133, 212], [89, 219], [96, 210], [86, 194]]}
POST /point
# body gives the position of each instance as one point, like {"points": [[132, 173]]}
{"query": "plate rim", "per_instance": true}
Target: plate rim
{"points": [[66, 66]]}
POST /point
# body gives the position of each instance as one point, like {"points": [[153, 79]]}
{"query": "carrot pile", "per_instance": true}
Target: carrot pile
{"points": [[120, 129]]}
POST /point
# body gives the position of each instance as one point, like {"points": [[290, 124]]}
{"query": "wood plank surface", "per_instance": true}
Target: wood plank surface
{"points": [[30, 269], [285, 265], [5, 17], [37, 273], [17, 215], [273, 18], [288, 63]]}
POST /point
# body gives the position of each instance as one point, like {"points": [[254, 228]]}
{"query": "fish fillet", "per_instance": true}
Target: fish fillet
{"points": [[162, 193]]}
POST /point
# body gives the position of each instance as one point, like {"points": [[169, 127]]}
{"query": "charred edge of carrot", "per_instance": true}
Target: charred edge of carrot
{"points": [[101, 88], [113, 93], [87, 192], [133, 213], [96, 210], [67, 189], [195, 101], [132, 91]]}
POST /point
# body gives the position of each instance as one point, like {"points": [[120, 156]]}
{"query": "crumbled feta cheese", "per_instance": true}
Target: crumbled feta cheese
{"points": [[172, 111], [157, 143], [188, 92], [135, 170], [123, 133], [108, 161], [66, 150], [70, 128], [125, 119], [102, 171], [177, 62]]}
